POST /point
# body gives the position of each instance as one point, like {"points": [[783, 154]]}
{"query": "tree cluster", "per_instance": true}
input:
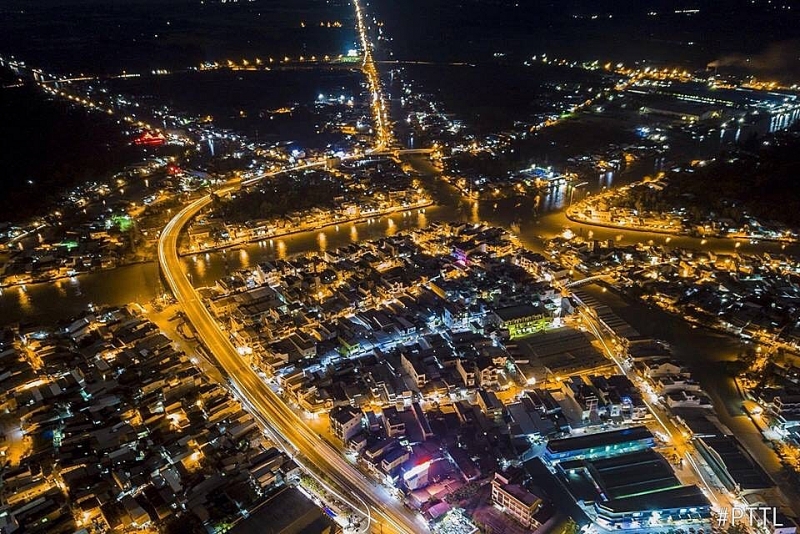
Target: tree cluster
{"points": [[282, 195], [761, 182]]}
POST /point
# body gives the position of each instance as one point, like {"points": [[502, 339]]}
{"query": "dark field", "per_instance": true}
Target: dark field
{"points": [[491, 97], [250, 102], [53, 146], [734, 31], [140, 35]]}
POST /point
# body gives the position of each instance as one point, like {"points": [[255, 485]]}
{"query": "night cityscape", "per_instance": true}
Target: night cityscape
{"points": [[350, 266]]}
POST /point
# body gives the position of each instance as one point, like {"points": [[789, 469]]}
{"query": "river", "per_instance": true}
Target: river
{"points": [[49, 303]]}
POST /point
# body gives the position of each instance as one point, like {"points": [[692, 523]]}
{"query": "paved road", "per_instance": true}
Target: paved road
{"points": [[383, 129], [719, 496], [387, 513]]}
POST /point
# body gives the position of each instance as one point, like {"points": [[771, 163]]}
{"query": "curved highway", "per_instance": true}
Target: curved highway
{"points": [[388, 514]]}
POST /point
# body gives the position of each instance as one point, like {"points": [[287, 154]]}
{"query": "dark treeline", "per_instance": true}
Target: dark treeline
{"points": [[762, 180], [282, 195]]}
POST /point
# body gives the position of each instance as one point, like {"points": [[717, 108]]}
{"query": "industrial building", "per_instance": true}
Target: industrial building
{"points": [[633, 490], [599, 445]]}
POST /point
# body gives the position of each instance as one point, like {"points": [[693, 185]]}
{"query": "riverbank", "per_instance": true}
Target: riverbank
{"points": [[141, 282], [309, 228], [227, 246], [663, 223], [571, 216], [70, 276], [569, 213], [760, 339]]}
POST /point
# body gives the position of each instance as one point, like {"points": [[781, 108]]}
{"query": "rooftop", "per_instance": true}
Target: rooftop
{"points": [[518, 312], [687, 497], [626, 475], [600, 439]]}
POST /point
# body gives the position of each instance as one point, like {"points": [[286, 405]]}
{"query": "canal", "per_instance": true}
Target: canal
{"points": [[50, 302]]}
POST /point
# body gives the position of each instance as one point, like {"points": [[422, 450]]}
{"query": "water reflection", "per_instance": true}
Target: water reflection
{"points": [[24, 300], [62, 291], [326, 239], [555, 196], [475, 216], [391, 227], [75, 285], [422, 220], [199, 265], [244, 258], [607, 179]]}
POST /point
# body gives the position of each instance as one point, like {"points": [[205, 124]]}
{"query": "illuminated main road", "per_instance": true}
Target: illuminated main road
{"points": [[383, 131], [387, 513], [720, 498]]}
